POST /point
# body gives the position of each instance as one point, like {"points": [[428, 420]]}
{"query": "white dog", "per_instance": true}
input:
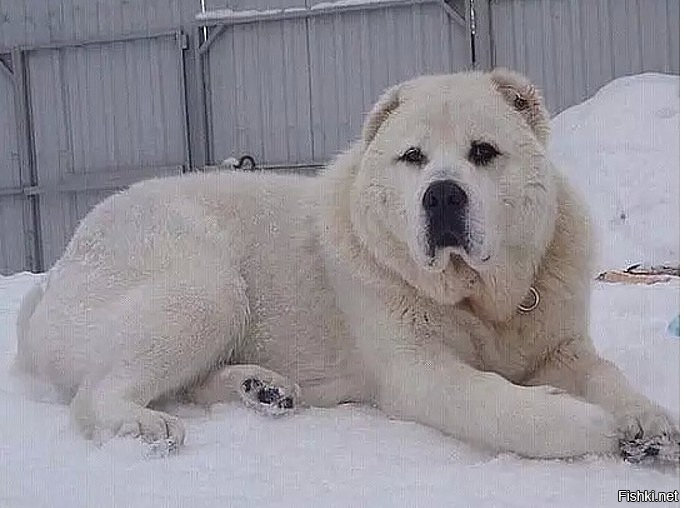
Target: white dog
{"points": [[440, 269]]}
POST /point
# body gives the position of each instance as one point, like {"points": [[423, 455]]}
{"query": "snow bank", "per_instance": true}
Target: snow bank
{"points": [[621, 149]]}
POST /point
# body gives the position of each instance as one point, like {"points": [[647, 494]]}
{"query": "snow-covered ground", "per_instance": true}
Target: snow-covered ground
{"points": [[611, 147]]}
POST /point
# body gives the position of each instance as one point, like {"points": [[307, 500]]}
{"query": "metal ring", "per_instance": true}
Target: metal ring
{"points": [[529, 308]]}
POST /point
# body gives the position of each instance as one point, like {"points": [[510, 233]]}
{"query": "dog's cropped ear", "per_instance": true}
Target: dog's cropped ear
{"points": [[525, 98], [388, 102]]}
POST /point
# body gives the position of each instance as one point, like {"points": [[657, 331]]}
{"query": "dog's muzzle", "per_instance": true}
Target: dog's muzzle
{"points": [[445, 204]]}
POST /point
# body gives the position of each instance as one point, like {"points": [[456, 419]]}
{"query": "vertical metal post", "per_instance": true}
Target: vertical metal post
{"points": [[478, 18], [309, 71], [27, 162], [182, 40], [202, 114]]}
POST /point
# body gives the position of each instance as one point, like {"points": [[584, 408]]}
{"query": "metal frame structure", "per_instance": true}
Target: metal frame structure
{"points": [[207, 31], [16, 66]]}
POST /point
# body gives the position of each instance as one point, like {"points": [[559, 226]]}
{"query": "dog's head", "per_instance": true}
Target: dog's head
{"points": [[453, 180]]}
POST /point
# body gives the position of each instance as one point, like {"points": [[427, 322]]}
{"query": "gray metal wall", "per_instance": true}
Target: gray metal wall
{"points": [[294, 91], [91, 100], [32, 22], [97, 94], [571, 48], [112, 115]]}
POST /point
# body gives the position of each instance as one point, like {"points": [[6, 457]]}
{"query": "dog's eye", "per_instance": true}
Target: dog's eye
{"points": [[482, 153], [413, 155]]}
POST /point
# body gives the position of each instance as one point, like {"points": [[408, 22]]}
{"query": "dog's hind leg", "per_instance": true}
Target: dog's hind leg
{"points": [[171, 331], [261, 389]]}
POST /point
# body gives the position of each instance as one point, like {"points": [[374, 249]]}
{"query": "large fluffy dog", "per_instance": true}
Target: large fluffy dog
{"points": [[438, 269]]}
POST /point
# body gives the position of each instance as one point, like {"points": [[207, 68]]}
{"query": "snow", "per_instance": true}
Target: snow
{"points": [[344, 3], [231, 14], [621, 149], [227, 14], [353, 455], [347, 456]]}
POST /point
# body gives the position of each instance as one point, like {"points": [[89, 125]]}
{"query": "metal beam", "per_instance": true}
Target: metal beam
{"points": [[6, 64], [301, 168], [453, 13], [118, 179], [326, 9], [213, 34], [93, 41], [11, 191], [114, 179]]}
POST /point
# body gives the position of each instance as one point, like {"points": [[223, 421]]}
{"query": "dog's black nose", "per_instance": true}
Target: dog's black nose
{"points": [[445, 204], [444, 197]]}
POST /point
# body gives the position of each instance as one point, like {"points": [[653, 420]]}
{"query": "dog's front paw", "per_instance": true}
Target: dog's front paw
{"points": [[153, 427], [646, 432]]}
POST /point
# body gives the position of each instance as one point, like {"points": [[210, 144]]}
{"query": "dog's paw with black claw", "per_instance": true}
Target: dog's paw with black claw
{"points": [[648, 450], [647, 434], [268, 399]]}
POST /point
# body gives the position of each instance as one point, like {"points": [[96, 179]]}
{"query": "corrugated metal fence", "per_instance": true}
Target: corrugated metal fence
{"points": [[92, 98], [571, 48], [291, 86], [97, 94]]}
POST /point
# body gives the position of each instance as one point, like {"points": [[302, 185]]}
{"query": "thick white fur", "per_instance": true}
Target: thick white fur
{"points": [[197, 282]]}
